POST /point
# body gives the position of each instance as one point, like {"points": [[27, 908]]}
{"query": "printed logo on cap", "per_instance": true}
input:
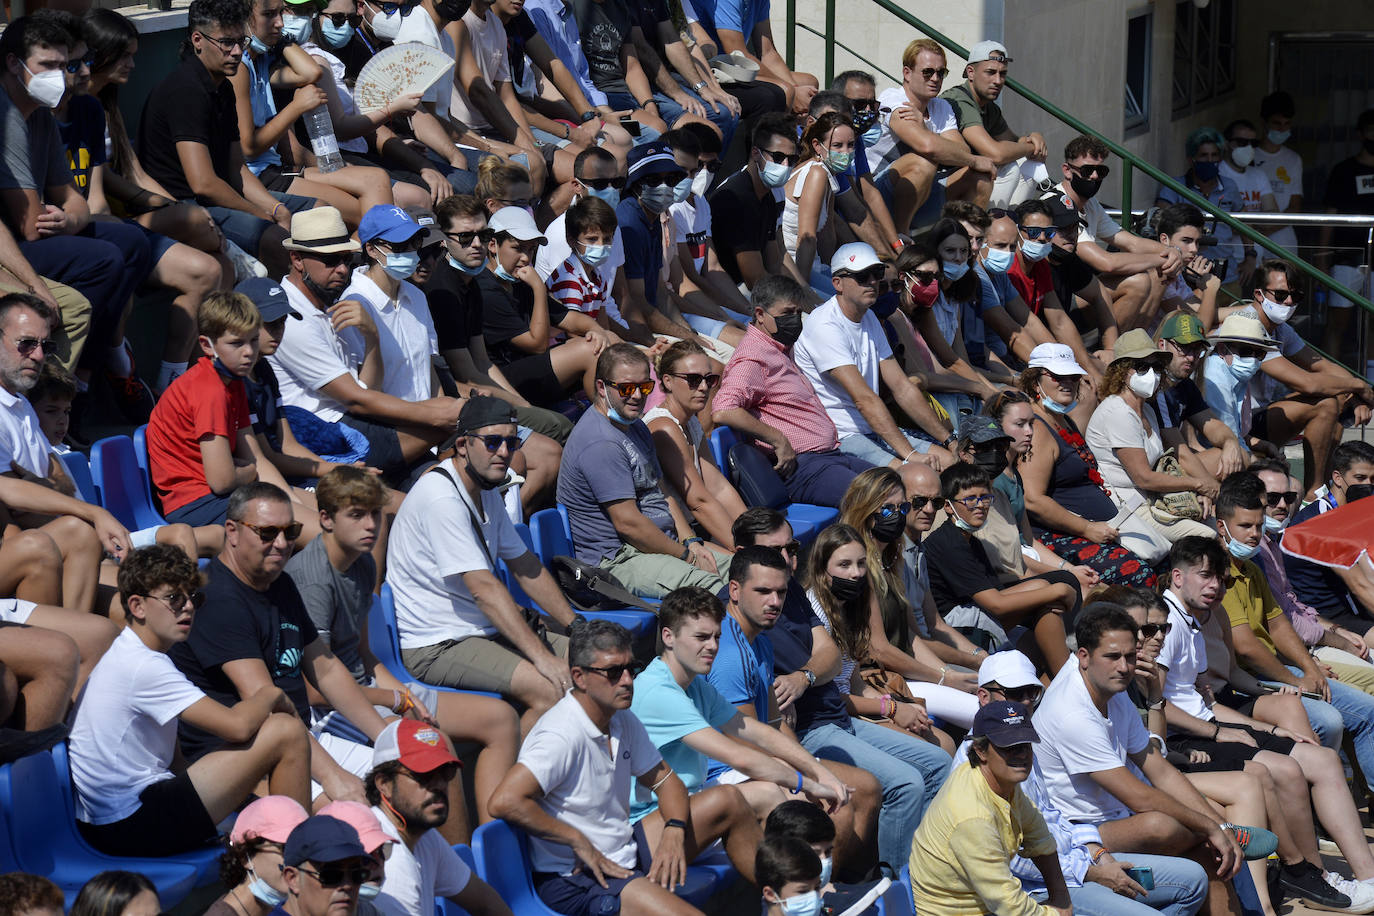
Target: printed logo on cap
{"points": [[1012, 717], [427, 736]]}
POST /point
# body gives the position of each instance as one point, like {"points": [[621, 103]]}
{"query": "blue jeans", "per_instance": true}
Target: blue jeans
{"points": [[1180, 888], [669, 111], [910, 771], [872, 448], [1349, 707]]}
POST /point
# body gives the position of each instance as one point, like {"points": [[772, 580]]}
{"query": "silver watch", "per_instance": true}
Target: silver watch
{"points": [[810, 677]]}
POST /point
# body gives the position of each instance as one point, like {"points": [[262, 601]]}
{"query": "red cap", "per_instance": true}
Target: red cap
{"points": [[419, 746]]}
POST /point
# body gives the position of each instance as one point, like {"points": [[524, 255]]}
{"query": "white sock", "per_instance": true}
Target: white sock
{"points": [[168, 374], [119, 361]]}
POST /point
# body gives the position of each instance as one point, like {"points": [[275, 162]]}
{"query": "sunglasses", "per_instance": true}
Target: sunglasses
{"points": [[269, 533], [662, 178], [792, 547], [1036, 232], [1282, 295], [1150, 630], [694, 379], [602, 184], [1091, 171], [923, 277], [227, 43], [179, 600], [494, 442], [1245, 352], [26, 345], [1026, 695], [337, 875], [864, 104], [614, 673], [339, 19], [928, 73], [330, 260], [920, 502], [411, 244], [1273, 498], [867, 277], [627, 389], [778, 156], [389, 8], [999, 213], [1240, 141], [974, 502], [888, 510], [464, 239], [1193, 349], [74, 66]]}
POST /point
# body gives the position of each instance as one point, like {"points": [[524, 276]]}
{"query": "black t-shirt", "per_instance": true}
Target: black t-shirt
{"points": [[648, 14], [264, 401], [740, 221], [1070, 275], [1179, 403], [507, 316], [959, 567], [792, 647], [455, 306], [355, 54], [187, 105], [84, 138], [240, 622], [519, 30], [1350, 189], [604, 26]]}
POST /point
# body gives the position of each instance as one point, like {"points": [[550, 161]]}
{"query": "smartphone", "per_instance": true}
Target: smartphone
{"points": [[1143, 875], [1312, 694], [631, 126]]}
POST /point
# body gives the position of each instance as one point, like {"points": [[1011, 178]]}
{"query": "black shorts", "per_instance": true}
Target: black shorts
{"points": [[274, 179], [1228, 755], [534, 378], [384, 448], [579, 894], [170, 819], [1259, 424], [1242, 703]]}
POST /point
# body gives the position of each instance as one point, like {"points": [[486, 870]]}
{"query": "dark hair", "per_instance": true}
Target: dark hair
{"points": [[966, 288], [848, 621], [961, 476], [588, 637], [966, 211], [677, 351], [54, 383], [781, 860], [205, 13], [11, 301], [978, 750], [681, 140], [775, 287], [455, 206], [1100, 618], [67, 21], [21, 892], [1277, 103], [1241, 490], [589, 213], [1196, 550], [1238, 122], [233, 862], [746, 558], [1277, 266], [1034, 205], [108, 35], [1175, 216], [773, 124], [1083, 145], [707, 138], [108, 893], [615, 355], [146, 568], [258, 489], [1349, 454], [839, 83], [1264, 463], [686, 603], [822, 128], [912, 256], [588, 154], [998, 405], [800, 819], [754, 523], [829, 100], [384, 772], [28, 32]]}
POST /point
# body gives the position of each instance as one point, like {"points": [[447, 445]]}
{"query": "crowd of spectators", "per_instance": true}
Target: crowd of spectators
{"points": [[1048, 654]]}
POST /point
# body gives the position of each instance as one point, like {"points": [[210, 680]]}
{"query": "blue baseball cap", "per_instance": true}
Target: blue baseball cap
{"points": [[651, 159], [269, 296], [322, 839], [1004, 723], [388, 223]]}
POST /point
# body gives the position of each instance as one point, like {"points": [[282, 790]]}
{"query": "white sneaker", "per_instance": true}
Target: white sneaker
{"points": [[1361, 893]]}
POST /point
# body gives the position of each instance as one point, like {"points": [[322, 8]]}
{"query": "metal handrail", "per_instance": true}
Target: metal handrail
{"points": [[1313, 220], [818, 34], [1130, 159]]}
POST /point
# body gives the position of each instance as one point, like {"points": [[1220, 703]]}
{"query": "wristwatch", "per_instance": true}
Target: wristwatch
{"points": [[677, 822], [589, 115], [810, 677], [696, 87], [1157, 704]]}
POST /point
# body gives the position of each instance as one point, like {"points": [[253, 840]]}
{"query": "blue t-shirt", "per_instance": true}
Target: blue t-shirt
{"points": [[792, 647], [670, 714], [84, 138], [742, 672], [602, 464], [643, 246], [736, 15]]}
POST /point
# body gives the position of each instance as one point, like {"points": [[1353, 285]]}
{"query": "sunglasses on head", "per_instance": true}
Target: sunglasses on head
{"points": [[919, 502], [627, 389], [694, 379], [1273, 497], [662, 178], [335, 875], [887, 510], [1150, 630], [778, 156], [269, 533], [1036, 232], [1282, 295], [493, 442], [1101, 170], [339, 19], [602, 184], [464, 239], [614, 673]]}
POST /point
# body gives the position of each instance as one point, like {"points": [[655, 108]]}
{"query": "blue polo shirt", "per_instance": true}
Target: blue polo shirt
{"points": [[643, 246]]}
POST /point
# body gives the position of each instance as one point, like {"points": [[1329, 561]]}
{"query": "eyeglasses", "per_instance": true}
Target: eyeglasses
{"points": [[929, 72], [1150, 630], [923, 277], [26, 345], [493, 442], [602, 184], [888, 510], [1090, 172], [614, 673], [179, 600], [1240, 141], [227, 43], [662, 178], [74, 66], [1035, 232], [778, 156], [1192, 349], [339, 19], [1027, 695], [975, 502], [335, 875], [867, 277], [694, 379], [627, 389], [1273, 497], [269, 533], [1282, 295], [919, 502], [464, 239]]}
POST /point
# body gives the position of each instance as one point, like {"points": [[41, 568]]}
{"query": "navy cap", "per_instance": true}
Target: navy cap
{"points": [[322, 839], [978, 428], [651, 159], [1004, 723], [269, 296], [388, 223]]}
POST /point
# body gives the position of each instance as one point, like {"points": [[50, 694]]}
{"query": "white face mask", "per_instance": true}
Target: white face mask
{"points": [[1279, 314], [1243, 155], [46, 88], [387, 27], [701, 182], [1144, 384]]}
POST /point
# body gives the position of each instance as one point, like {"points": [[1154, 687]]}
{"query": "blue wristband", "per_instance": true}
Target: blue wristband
{"points": [[797, 790]]}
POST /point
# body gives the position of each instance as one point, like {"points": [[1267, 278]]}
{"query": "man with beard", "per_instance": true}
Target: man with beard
{"points": [[1180, 400], [408, 788]]}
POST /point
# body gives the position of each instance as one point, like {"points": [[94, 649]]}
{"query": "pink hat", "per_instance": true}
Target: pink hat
{"points": [[362, 819], [271, 818]]}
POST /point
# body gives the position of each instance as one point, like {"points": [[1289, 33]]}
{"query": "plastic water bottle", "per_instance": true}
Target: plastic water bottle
{"points": [[321, 130]]}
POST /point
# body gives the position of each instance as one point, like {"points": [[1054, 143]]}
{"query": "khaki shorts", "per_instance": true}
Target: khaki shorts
{"points": [[476, 663]]}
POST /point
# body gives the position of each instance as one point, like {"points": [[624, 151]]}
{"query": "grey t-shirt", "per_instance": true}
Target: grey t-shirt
{"points": [[602, 465], [32, 156], [337, 602]]}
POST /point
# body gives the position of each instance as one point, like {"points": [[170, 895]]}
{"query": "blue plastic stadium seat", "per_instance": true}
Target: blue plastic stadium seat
{"points": [[445, 907], [44, 838], [806, 520], [123, 488], [904, 880], [503, 861], [79, 470], [386, 645], [550, 535]]}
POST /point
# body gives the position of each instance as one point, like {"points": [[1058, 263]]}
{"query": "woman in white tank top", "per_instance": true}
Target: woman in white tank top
{"points": [[808, 233]]}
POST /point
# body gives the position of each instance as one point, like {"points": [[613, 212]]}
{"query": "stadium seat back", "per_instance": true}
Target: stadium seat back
{"points": [[123, 491], [79, 470]]}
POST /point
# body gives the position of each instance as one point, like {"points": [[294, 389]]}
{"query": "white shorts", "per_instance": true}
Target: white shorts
{"points": [[354, 757], [16, 610], [143, 537]]}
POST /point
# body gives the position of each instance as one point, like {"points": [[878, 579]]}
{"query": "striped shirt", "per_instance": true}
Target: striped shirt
{"points": [[580, 288]]}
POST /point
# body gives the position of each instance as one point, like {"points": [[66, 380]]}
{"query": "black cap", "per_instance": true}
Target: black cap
{"points": [[269, 296], [979, 428], [1063, 214], [1004, 723], [322, 839], [483, 411]]}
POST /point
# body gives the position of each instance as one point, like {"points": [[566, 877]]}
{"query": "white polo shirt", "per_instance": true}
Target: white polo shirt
{"points": [[405, 335], [830, 340], [311, 355], [415, 877], [586, 778], [1184, 655], [21, 438], [434, 543]]}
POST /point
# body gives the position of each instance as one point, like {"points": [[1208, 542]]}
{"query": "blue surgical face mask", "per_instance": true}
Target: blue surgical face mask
{"points": [[873, 134], [296, 27], [808, 904], [658, 198], [1236, 548], [336, 36], [610, 195], [1272, 525], [369, 891], [1034, 249], [827, 866], [263, 891], [997, 260], [256, 46], [682, 190], [836, 162], [953, 270], [774, 174], [617, 416], [503, 274], [1244, 367], [961, 524], [463, 268], [1279, 137], [594, 255], [401, 264]]}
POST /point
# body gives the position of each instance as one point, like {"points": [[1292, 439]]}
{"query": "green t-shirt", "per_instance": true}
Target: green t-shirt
{"points": [[967, 111]]}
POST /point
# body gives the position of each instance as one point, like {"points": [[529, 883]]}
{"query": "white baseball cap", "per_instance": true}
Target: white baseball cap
{"points": [[853, 258], [1010, 669], [988, 50], [516, 222], [1057, 358]]}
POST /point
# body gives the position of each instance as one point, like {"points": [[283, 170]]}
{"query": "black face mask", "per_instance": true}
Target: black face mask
{"points": [[847, 590], [887, 530], [326, 296], [452, 10], [482, 482], [1358, 491], [789, 328], [994, 462], [1085, 188], [1057, 256], [1368, 145]]}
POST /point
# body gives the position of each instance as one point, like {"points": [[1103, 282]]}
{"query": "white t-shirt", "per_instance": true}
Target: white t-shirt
{"points": [[312, 354], [692, 224], [124, 729], [405, 335], [488, 37], [1076, 741], [1115, 425], [940, 118], [586, 778], [1184, 654], [21, 438], [829, 340], [1283, 168], [557, 250], [419, 27], [435, 544], [414, 878], [1253, 184]]}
